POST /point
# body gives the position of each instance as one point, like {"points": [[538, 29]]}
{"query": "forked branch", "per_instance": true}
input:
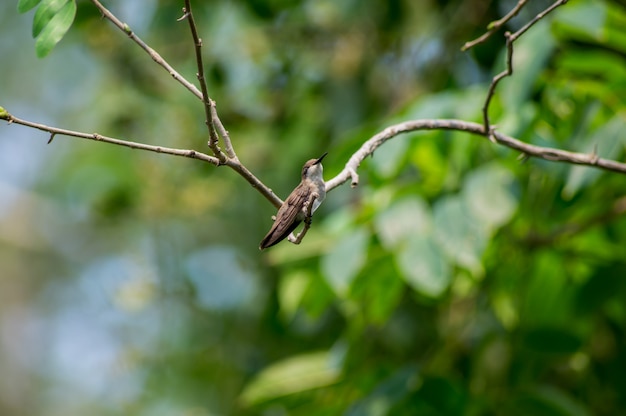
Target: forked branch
{"points": [[217, 130], [493, 27], [214, 124], [508, 71]]}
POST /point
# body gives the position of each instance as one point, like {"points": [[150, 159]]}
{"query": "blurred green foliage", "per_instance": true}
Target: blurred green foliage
{"points": [[453, 280]]}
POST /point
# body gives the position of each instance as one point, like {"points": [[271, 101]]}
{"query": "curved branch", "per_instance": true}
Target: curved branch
{"points": [[529, 150]]}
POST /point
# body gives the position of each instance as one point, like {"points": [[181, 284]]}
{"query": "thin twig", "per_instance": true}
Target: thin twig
{"points": [[540, 16], [193, 154], [228, 145], [213, 121], [254, 181], [54, 131], [231, 160], [493, 27], [153, 54], [547, 153], [508, 71], [209, 104]]}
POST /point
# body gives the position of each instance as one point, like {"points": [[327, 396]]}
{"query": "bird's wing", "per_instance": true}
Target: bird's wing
{"points": [[287, 219]]}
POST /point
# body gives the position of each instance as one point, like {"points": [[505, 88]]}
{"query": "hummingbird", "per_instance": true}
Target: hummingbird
{"points": [[296, 208]]}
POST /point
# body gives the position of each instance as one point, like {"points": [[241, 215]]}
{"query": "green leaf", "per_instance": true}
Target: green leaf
{"points": [[292, 375], [55, 29], [551, 340], [342, 263], [594, 64], [406, 217], [25, 5], [609, 141], [387, 159], [45, 13], [458, 233], [548, 297], [584, 18], [546, 400], [488, 195], [424, 266], [291, 290], [379, 290], [444, 395], [559, 401], [387, 393]]}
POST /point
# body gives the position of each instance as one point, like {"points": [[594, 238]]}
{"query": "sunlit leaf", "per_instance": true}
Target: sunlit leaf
{"points": [[462, 238], [45, 13], [488, 195], [406, 217], [292, 375], [55, 29], [387, 159], [343, 261], [594, 64], [585, 17], [25, 5], [290, 292], [424, 265], [608, 141]]}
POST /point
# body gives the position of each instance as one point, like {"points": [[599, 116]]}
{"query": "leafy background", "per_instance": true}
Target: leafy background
{"points": [[454, 280]]}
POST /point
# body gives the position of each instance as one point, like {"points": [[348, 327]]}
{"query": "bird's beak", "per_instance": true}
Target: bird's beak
{"points": [[320, 158]]}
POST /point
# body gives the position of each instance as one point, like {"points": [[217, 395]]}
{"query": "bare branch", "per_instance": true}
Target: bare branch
{"points": [[254, 181], [213, 122], [529, 150], [193, 154], [228, 145], [493, 27], [537, 18], [153, 54], [508, 71], [368, 148], [209, 104]]}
